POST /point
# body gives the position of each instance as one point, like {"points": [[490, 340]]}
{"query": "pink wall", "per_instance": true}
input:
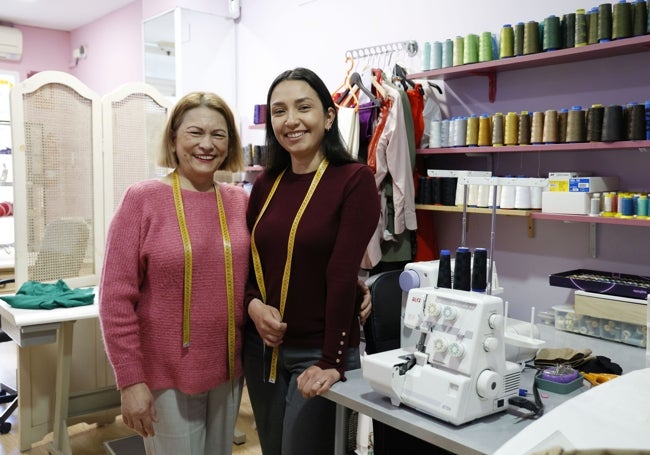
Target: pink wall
{"points": [[43, 49]]}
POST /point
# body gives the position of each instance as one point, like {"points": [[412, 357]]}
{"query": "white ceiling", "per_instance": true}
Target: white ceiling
{"points": [[57, 14]]}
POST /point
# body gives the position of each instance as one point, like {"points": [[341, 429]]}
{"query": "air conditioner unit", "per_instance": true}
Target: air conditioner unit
{"points": [[11, 43]]}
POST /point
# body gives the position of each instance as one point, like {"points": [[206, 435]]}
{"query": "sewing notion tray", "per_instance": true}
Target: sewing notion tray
{"points": [[633, 286]]}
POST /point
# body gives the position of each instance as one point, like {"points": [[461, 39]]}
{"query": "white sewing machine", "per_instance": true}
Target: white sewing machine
{"points": [[458, 371]]}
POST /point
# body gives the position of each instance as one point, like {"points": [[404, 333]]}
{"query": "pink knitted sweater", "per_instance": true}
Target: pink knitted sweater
{"points": [[141, 288]]}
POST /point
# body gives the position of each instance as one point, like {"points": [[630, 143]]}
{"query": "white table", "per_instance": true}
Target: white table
{"points": [[36, 327], [484, 435]]}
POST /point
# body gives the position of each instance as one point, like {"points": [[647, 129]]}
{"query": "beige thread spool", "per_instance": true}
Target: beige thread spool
{"points": [[576, 127], [512, 128], [550, 133], [537, 128], [497, 129]]}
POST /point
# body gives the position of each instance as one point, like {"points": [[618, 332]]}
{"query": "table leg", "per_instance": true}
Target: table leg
{"points": [[61, 443], [340, 431]]}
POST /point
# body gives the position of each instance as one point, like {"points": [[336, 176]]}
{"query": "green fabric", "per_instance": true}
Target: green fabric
{"points": [[34, 295]]}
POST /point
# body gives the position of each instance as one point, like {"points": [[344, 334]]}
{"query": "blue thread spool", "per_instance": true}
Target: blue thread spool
{"points": [[426, 56], [436, 55], [627, 206], [647, 119]]}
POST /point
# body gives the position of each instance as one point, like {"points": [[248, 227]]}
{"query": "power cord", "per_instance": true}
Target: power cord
{"points": [[536, 407]]}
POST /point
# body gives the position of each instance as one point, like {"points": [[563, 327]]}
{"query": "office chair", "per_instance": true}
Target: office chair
{"points": [[60, 255], [382, 332]]}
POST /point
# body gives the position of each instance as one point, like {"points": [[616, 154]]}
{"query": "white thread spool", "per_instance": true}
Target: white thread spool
{"points": [[452, 132], [435, 131], [594, 208], [536, 197], [472, 197], [460, 132], [507, 197], [444, 133], [491, 195], [522, 196], [483, 195]]}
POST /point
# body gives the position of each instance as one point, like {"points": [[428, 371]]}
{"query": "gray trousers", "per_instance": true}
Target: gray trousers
{"points": [[287, 423]]}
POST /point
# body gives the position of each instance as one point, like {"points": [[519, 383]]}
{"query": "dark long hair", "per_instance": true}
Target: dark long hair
{"points": [[333, 145]]}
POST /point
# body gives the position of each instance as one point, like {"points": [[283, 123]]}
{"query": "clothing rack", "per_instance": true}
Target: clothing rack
{"points": [[410, 47]]}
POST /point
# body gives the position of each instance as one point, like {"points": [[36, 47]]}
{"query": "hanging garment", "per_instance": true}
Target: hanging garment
{"points": [[349, 128], [416, 100]]}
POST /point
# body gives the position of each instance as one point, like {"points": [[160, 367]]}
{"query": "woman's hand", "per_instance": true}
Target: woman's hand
{"points": [[316, 381], [138, 410], [268, 322], [365, 306]]}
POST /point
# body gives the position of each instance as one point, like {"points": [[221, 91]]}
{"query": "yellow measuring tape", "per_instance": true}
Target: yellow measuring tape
{"points": [[292, 238], [187, 281]]}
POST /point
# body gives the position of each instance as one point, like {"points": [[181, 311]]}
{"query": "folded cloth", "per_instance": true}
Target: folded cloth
{"points": [[561, 356], [600, 364], [35, 295]]}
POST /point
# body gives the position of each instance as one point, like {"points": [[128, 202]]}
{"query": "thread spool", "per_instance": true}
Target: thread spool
{"points": [[462, 269], [507, 41], [592, 26], [642, 206], [647, 122], [507, 200], [479, 270], [622, 20], [531, 38], [537, 128], [552, 34], [511, 128], [497, 129], [485, 49], [562, 121], [536, 197], [608, 205], [484, 131], [470, 54], [576, 130], [426, 56], [444, 269], [444, 133], [472, 195], [619, 203], [595, 116], [522, 196], [494, 198], [581, 28], [436, 191], [604, 22], [482, 195], [627, 208], [448, 191], [436, 55], [612, 123], [519, 39], [460, 132], [452, 132], [635, 122], [435, 130], [648, 31], [424, 194], [448, 53], [550, 132], [524, 128], [568, 26], [472, 130], [594, 205], [459, 50]]}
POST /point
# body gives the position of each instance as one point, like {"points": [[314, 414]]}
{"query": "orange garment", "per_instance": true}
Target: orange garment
{"points": [[416, 99], [386, 105]]}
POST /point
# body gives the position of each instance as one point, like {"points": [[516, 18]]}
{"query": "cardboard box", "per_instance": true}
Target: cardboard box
{"points": [[593, 184], [565, 202], [616, 308], [559, 181]]}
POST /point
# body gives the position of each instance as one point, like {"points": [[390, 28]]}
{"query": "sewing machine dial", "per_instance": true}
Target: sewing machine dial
{"points": [[440, 345], [456, 349], [432, 309], [449, 313]]}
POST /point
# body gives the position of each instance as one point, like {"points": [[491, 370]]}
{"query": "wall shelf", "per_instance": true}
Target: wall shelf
{"points": [[643, 146], [591, 219], [634, 45]]}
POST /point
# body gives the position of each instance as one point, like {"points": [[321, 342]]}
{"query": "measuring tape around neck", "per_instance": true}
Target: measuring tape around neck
{"points": [[187, 279], [259, 275]]}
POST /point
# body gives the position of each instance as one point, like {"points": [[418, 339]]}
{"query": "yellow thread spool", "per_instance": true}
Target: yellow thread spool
{"points": [[512, 128], [484, 130]]}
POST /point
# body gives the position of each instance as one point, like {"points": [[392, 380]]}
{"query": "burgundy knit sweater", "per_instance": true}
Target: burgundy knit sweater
{"points": [[330, 242], [141, 288]]}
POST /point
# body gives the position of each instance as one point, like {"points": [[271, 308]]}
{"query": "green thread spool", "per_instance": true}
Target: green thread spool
{"points": [[604, 22], [581, 28], [537, 128], [531, 38], [568, 25], [519, 39], [507, 42], [552, 35], [639, 18], [595, 116], [642, 205], [470, 54], [497, 129], [622, 20], [524, 128], [592, 26], [485, 49], [436, 55], [459, 50]]}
